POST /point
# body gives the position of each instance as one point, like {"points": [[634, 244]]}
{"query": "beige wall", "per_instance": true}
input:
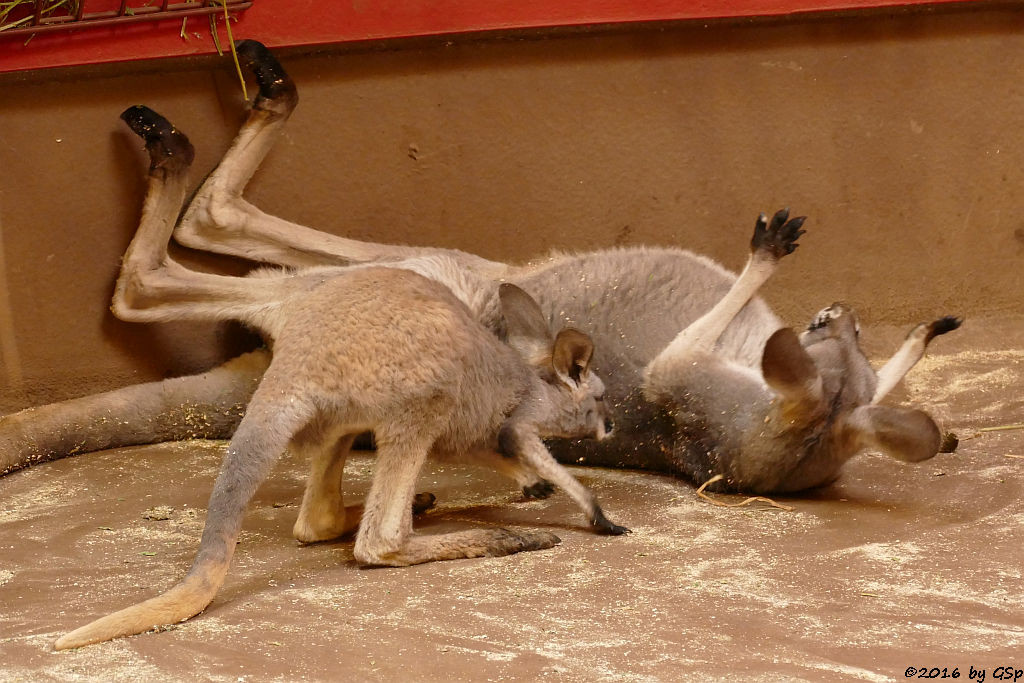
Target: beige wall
{"points": [[899, 135]]}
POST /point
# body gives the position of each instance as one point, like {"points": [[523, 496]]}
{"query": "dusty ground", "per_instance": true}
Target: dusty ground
{"points": [[895, 566]]}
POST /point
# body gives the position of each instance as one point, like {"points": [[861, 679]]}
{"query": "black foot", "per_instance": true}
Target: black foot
{"points": [[542, 489], [422, 502], [275, 83], [603, 525], [538, 540], [168, 147], [942, 326], [503, 542], [777, 238]]}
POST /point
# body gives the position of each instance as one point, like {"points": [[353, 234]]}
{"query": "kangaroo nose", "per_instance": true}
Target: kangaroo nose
{"points": [[608, 426]]}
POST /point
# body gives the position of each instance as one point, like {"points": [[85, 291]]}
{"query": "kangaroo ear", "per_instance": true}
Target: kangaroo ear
{"points": [[906, 434], [788, 369], [571, 354], [528, 331]]}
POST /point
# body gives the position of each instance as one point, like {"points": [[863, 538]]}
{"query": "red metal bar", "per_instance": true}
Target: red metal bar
{"points": [[113, 18], [281, 23]]}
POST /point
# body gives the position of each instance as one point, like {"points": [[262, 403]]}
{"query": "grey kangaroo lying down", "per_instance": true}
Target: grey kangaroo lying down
{"points": [[701, 379], [358, 349]]}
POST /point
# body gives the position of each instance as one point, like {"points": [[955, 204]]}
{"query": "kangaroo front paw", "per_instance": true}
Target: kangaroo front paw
{"points": [[778, 237], [603, 525], [422, 502], [540, 489]]}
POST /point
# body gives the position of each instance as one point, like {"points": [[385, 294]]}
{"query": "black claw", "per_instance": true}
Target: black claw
{"points": [[791, 230], [274, 81], [167, 146], [779, 219], [603, 525], [942, 326], [760, 228]]}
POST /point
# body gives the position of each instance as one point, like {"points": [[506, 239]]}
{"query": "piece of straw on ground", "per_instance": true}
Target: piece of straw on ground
{"points": [[748, 501]]}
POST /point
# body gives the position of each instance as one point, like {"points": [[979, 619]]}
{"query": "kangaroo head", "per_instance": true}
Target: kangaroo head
{"points": [[825, 387], [569, 398]]}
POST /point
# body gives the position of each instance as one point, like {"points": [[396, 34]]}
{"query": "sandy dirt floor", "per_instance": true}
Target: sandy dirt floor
{"points": [[894, 566]]}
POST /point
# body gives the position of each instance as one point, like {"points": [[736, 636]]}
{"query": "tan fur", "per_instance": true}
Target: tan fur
{"points": [[376, 349], [681, 339], [720, 378], [757, 401]]}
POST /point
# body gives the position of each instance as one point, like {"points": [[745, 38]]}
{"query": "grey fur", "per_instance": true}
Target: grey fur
{"points": [[644, 306], [366, 348]]}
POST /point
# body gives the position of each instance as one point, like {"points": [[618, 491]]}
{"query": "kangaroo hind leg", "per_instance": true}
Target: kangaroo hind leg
{"points": [[910, 352], [220, 220], [323, 515], [152, 287], [385, 537]]}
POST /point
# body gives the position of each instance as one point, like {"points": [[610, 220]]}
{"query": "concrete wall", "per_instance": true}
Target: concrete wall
{"points": [[900, 135]]}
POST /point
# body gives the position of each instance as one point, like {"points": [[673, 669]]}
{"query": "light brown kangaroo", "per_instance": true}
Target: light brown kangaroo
{"points": [[701, 381], [358, 349]]}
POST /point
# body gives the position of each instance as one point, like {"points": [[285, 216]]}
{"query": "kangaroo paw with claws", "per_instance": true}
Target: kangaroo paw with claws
{"points": [[778, 237]]}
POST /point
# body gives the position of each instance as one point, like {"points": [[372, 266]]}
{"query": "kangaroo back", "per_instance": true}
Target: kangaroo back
{"points": [[374, 343]]}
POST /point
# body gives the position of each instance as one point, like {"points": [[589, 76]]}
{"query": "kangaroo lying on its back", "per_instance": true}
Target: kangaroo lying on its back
{"points": [[698, 381], [359, 349]]}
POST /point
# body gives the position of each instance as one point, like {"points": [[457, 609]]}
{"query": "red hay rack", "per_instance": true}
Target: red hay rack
{"points": [[41, 16]]}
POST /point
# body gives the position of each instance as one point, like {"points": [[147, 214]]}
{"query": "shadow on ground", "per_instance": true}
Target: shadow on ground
{"points": [[894, 566]]}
